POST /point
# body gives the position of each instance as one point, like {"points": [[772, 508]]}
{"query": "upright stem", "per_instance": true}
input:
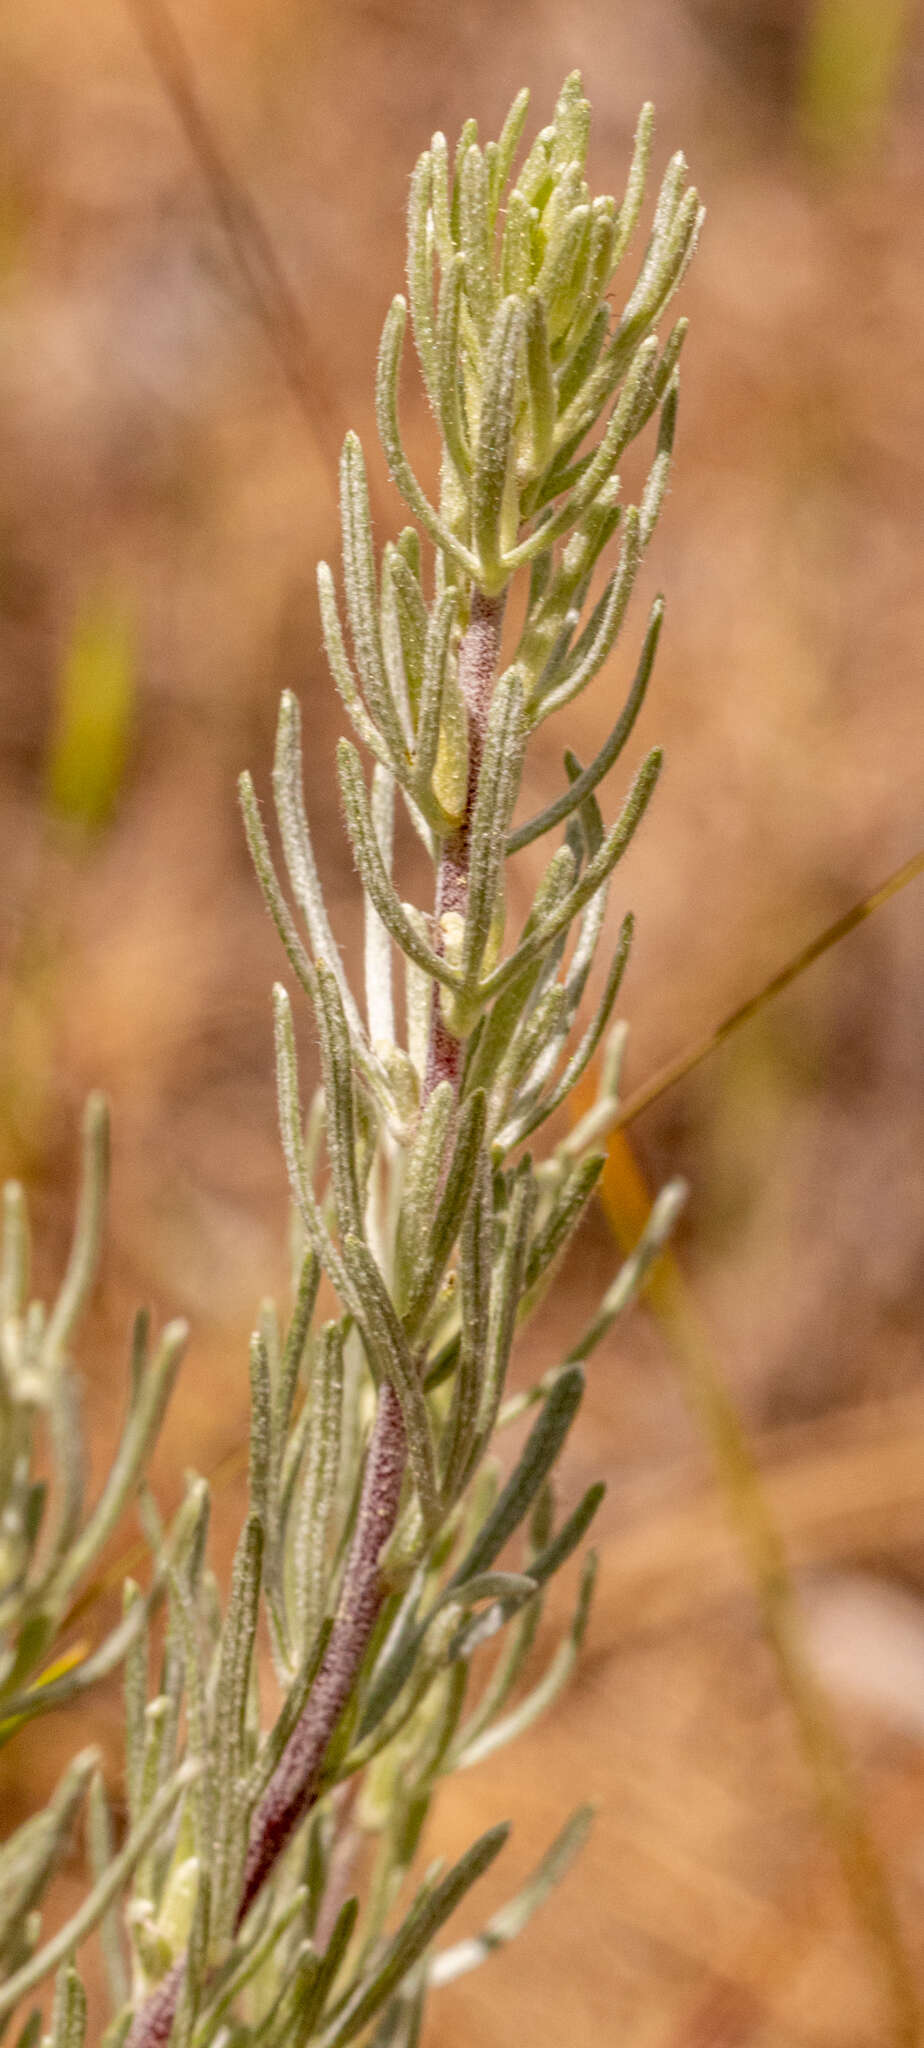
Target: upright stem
{"points": [[295, 1784], [478, 659], [294, 1787]]}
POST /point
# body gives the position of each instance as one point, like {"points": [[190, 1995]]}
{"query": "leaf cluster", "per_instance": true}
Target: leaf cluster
{"points": [[268, 1884]]}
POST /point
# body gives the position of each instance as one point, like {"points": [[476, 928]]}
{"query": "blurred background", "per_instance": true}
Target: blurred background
{"points": [[172, 401]]}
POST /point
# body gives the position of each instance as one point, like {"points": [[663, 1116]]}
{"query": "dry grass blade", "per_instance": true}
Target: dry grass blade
{"points": [[677, 1069], [271, 297], [840, 1806]]}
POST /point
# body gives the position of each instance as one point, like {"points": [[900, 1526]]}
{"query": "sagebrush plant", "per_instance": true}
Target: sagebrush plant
{"points": [[263, 1893]]}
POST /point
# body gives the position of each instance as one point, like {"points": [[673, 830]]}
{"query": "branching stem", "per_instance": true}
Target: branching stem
{"points": [[295, 1785]]}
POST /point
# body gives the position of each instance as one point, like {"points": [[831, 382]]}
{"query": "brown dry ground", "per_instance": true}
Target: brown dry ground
{"points": [[151, 450]]}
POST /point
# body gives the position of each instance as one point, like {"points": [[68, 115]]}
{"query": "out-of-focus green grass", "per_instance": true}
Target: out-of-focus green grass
{"points": [[850, 70], [93, 715]]}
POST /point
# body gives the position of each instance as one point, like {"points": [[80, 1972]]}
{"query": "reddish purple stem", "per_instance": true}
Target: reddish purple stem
{"points": [[294, 1786], [478, 658]]}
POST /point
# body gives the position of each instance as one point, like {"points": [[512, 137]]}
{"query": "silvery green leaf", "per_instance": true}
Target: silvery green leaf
{"points": [[299, 852], [468, 134], [665, 214], [391, 1360], [535, 178], [540, 1032], [670, 258], [432, 1742], [544, 1564], [369, 862], [540, 384], [656, 485], [571, 123], [543, 1694], [343, 674], [506, 1288], [505, 1925], [29, 1855], [519, 990], [475, 228], [198, 1812], [439, 197], [392, 643], [635, 1269], [594, 877], [70, 1468], [418, 1660], [475, 1260], [566, 190], [389, 366], [505, 1593], [663, 372], [507, 145], [525, 1122], [567, 1207], [420, 268], [156, 1721], [277, 1737], [363, 599], [318, 1482], [378, 962], [401, 2022], [625, 421], [98, 1900], [247, 1958], [293, 1353], [418, 1001], [297, 2020], [552, 617], [450, 1209], [673, 204], [449, 378], [85, 1247], [600, 243], [31, 2034], [600, 634], [492, 477], [563, 275], [261, 1442], [556, 813], [411, 612], [520, 225], [290, 1123], [430, 1910], [393, 1663], [421, 1180], [231, 1696], [276, 904], [141, 1428], [135, 1693], [100, 1852], [340, 1109], [540, 1452], [69, 2011], [574, 411], [436, 656], [449, 780], [628, 215], [514, 1652], [195, 1958]]}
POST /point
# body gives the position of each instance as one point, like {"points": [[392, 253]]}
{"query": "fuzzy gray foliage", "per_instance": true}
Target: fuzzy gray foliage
{"points": [[268, 1888]]}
